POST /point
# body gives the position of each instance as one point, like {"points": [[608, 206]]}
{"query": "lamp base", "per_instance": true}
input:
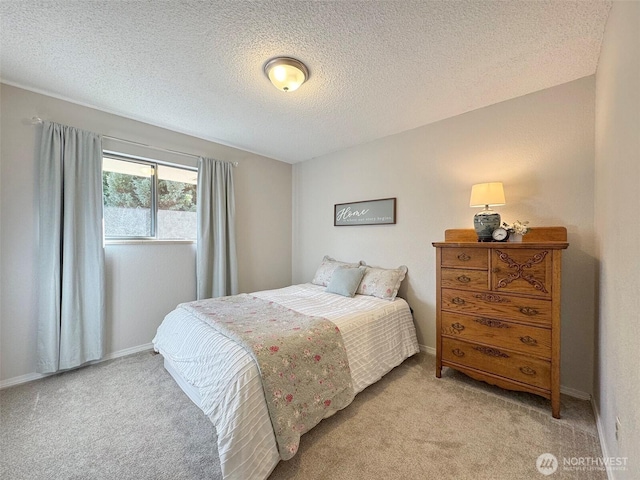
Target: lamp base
{"points": [[485, 222]]}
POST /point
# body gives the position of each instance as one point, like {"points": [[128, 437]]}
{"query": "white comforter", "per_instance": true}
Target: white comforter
{"points": [[378, 336]]}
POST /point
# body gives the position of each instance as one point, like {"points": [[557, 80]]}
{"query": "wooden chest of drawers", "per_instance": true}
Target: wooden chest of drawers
{"points": [[498, 310]]}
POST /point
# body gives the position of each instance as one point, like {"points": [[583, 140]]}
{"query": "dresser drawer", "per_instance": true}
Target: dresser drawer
{"points": [[462, 278], [465, 257], [515, 366], [501, 334], [504, 307]]}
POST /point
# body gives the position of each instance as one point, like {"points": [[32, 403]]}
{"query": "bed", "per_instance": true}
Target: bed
{"points": [[224, 380]]}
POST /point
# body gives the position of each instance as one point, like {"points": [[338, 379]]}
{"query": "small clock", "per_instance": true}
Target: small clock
{"points": [[500, 234]]}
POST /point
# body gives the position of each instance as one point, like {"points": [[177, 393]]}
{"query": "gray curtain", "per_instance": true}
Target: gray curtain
{"points": [[71, 306], [217, 266]]}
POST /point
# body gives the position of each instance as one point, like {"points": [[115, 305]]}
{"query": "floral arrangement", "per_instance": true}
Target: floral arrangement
{"points": [[517, 227]]}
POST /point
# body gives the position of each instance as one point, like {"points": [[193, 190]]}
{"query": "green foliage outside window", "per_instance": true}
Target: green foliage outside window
{"points": [[126, 191], [130, 191], [176, 196]]}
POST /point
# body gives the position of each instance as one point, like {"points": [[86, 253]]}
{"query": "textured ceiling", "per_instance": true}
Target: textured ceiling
{"points": [[377, 67]]}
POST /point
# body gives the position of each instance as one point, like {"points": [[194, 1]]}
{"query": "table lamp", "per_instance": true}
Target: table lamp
{"points": [[486, 195]]}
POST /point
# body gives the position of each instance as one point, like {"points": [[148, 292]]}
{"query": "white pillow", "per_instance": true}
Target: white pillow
{"points": [[382, 282], [326, 269]]}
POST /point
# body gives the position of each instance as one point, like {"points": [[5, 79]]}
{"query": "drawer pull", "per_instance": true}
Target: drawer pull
{"points": [[532, 342], [528, 311], [492, 352], [463, 279], [458, 301], [457, 327], [527, 370], [457, 352], [489, 322], [463, 257]]}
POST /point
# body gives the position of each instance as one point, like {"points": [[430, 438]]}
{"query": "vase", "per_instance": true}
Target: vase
{"points": [[515, 237], [485, 222]]}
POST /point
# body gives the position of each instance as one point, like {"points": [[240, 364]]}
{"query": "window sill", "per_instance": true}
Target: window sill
{"points": [[148, 242]]}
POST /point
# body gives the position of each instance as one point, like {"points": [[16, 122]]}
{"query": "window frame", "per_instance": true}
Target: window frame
{"points": [[153, 163]]}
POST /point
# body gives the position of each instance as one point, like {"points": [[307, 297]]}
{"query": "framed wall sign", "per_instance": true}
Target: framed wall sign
{"points": [[370, 212]]}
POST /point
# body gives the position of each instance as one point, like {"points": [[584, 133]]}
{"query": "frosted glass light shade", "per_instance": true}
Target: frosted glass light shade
{"points": [[483, 194], [286, 74]]}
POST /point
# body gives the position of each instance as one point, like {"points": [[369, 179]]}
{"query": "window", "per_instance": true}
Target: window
{"points": [[144, 199]]}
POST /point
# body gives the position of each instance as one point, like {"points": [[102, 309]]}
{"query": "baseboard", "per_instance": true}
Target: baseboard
{"points": [[603, 443], [126, 351], [429, 350], [572, 392], [10, 382], [30, 377]]}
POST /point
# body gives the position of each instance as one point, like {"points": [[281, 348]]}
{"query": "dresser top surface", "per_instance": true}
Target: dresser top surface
{"points": [[493, 245], [538, 237]]}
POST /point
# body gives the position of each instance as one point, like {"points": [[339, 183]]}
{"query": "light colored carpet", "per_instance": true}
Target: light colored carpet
{"points": [[127, 419]]}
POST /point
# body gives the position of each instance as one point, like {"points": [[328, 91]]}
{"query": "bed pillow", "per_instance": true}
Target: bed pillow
{"points": [[345, 281], [382, 282], [326, 269]]}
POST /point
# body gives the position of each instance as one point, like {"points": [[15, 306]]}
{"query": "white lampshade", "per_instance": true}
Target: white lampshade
{"points": [[483, 194], [286, 74]]}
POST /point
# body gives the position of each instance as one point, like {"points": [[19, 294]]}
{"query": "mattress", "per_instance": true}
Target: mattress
{"points": [[223, 379]]}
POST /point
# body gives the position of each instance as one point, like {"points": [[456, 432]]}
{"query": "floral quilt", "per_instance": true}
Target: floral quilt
{"points": [[302, 361]]}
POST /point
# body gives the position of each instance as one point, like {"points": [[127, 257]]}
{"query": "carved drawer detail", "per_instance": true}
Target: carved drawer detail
{"points": [[492, 352], [522, 271], [489, 322]]}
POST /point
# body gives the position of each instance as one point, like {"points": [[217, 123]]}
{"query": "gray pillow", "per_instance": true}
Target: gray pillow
{"points": [[345, 281]]}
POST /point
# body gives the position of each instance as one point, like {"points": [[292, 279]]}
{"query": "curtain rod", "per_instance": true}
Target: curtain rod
{"points": [[38, 121]]}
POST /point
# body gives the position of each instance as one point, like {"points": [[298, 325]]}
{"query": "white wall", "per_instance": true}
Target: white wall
{"points": [[540, 145], [144, 282], [617, 378]]}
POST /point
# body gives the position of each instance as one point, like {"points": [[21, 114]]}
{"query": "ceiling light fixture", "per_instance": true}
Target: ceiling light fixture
{"points": [[286, 74]]}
